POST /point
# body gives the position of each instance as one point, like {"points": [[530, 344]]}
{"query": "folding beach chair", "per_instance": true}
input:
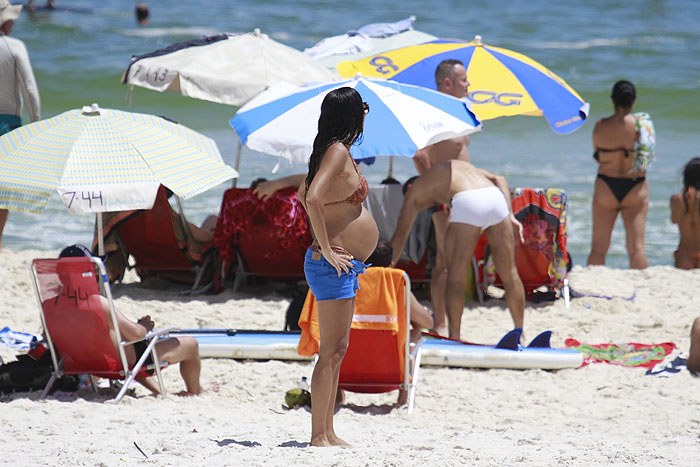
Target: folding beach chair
{"points": [[262, 238], [75, 326], [379, 357], [160, 241], [542, 260]]}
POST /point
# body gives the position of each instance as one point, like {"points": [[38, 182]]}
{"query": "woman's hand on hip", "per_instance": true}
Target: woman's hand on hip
{"points": [[341, 263]]}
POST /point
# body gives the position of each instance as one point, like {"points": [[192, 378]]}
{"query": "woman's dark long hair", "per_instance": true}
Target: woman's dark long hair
{"points": [[691, 177], [341, 120]]}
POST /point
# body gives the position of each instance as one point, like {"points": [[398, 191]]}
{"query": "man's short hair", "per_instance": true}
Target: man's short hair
{"points": [[446, 69], [407, 184], [381, 256]]}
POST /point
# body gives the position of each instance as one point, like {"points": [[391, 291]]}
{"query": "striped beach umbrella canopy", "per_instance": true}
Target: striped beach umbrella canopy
{"points": [[101, 160], [502, 82], [283, 121]]}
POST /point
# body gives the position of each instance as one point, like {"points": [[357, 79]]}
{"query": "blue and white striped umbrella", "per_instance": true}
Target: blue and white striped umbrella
{"points": [[283, 121]]}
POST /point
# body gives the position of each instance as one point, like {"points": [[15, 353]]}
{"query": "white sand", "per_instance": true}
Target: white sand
{"points": [[597, 415]]}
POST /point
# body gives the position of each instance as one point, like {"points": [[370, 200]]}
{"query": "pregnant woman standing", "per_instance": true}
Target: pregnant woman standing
{"points": [[345, 234], [623, 145]]}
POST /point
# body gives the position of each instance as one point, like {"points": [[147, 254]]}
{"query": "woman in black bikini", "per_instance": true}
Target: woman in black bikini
{"points": [[619, 187]]}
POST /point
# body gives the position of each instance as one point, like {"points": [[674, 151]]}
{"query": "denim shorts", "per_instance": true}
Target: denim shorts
{"points": [[323, 279]]}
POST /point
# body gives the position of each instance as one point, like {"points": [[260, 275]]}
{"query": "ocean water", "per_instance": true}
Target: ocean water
{"points": [[80, 52]]}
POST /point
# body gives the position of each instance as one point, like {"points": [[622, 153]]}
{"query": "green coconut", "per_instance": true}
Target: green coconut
{"points": [[297, 397]]}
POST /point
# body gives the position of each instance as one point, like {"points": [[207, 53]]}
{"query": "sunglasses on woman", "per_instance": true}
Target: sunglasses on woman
{"points": [[365, 107]]}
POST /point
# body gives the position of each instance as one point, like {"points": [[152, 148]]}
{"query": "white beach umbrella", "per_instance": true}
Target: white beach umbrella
{"points": [[366, 41], [226, 68]]}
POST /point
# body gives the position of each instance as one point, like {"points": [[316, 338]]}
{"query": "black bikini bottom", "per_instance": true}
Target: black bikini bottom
{"points": [[140, 347], [621, 186]]}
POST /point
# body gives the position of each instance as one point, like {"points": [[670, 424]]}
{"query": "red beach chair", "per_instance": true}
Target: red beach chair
{"points": [[379, 357], [262, 238], [75, 325], [160, 242], [543, 259]]}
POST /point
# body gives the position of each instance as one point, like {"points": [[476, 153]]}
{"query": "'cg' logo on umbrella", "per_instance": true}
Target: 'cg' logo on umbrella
{"points": [[383, 65], [486, 97]]}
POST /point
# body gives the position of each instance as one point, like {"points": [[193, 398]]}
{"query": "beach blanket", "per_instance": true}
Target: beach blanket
{"points": [[17, 340], [668, 368], [629, 355]]}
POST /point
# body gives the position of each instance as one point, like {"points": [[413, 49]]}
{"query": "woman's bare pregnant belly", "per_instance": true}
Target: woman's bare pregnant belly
{"points": [[360, 236]]}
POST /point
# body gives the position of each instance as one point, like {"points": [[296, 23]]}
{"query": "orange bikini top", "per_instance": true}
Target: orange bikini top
{"points": [[360, 193]]}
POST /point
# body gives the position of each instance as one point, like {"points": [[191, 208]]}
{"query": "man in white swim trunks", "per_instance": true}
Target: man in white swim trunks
{"points": [[479, 201]]}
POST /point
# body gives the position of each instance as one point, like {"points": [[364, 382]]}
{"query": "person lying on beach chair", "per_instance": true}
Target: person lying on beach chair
{"points": [[183, 350]]}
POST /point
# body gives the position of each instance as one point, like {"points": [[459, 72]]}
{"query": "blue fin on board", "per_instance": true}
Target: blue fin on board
{"points": [[541, 341], [511, 340]]}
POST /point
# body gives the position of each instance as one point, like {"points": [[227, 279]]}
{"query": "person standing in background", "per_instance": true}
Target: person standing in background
{"points": [[623, 148], [16, 78]]}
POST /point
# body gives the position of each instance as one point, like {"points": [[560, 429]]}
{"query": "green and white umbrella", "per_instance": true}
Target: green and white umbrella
{"points": [[102, 160]]}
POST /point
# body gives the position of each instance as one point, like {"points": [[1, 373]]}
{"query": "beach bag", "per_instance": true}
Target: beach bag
{"points": [[32, 371], [29, 374], [643, 149]]}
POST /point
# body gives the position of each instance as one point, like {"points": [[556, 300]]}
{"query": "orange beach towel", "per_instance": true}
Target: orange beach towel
{"points": [[380, 305]]}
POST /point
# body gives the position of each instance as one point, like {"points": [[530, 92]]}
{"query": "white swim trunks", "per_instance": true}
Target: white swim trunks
{"points": [[482, 207]]}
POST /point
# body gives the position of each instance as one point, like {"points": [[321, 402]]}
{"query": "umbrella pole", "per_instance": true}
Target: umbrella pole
{"points": [[391, 167], [238, 161], [100, 238]]}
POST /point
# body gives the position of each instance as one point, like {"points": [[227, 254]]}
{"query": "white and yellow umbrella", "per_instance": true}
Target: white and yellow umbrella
{"points": [[102, 160]]}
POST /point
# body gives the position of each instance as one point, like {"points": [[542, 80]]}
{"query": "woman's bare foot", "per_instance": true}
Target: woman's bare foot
{"points": [[337, 441], [321, 441]]}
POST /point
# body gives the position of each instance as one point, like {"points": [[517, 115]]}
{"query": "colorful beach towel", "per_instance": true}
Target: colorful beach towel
{"points": [[542, 259], [643, 149], [629, 355]]}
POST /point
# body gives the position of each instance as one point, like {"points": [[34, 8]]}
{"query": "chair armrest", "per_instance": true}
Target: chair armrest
{"points": [[152, 334], [161, 332]]}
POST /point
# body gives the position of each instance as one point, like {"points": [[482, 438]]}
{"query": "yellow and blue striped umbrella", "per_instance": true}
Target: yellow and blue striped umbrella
{"points": [[502, 82], [102, 160]]}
